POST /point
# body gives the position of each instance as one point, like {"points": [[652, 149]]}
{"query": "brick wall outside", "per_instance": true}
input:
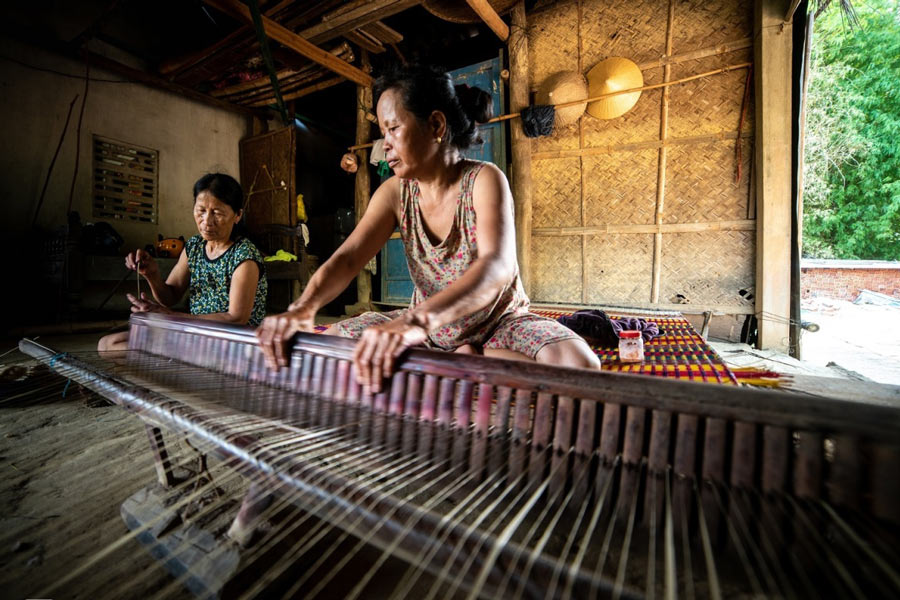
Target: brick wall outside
{"points": [[846, 283]]}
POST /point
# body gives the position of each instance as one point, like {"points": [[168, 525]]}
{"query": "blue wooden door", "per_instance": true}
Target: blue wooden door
{"points": [[396, 285], [486, 75]]}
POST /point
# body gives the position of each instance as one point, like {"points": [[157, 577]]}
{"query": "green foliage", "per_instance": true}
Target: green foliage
{"points": [[852, 154]]}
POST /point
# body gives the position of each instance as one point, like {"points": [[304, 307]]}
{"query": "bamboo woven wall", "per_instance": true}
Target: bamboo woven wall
{"points": [[605, 224]]}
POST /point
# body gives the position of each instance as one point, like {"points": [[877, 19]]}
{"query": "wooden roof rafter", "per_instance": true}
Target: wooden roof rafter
{"points": [[354, 16], [230, 66], [288, 38], [490, 17]]}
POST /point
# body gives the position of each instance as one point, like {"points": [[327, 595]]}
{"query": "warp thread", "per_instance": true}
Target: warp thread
{"points": [[53, 360]]}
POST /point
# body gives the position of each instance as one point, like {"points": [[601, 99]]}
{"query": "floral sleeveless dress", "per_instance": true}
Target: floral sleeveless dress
{"points": [[504, 323]]}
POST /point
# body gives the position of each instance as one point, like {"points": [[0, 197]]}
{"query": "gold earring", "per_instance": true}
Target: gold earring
{"points": [[438, 139]]}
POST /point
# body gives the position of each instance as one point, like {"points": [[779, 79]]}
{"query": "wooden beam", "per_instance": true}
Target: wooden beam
{"points": [[662, 163], [383, 32], [348, 20], [363, 189], [174, 66], [490, 17], [772, 166], [722, 136], [301, 92], [151, 80], [245, 88], [716, 50], [522, 190], [288, 38], [364, 40], [789, 15], [741, 225]]}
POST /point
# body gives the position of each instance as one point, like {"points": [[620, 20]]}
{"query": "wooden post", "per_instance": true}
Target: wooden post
{"points": [[772, 58], [519, 84], [363, 186], [661, 165]]}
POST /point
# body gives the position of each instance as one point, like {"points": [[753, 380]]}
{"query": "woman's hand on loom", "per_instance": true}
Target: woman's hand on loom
{"points": [[381, 345], [275, 332], [146, 304]]}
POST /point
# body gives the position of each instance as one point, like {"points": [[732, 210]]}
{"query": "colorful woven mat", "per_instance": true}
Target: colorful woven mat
{"points": [[678, 352]]}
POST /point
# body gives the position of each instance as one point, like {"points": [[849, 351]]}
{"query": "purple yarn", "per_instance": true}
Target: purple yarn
{"points": [[648, 329], [597, 325]]}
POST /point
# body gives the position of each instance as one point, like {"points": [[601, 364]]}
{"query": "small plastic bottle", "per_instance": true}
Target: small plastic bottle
{"points": [[631, 347]]}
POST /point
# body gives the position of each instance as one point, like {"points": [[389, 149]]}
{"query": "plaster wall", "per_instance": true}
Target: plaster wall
{"points": [[191, 138]]}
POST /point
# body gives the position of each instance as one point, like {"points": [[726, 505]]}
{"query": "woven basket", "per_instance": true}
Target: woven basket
{"points": [[457, 11]]}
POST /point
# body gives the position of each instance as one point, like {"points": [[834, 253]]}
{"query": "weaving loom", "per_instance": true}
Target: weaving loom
{"points": [[495, 479]]}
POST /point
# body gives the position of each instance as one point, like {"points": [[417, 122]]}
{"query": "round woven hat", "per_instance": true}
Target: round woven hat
{"points": [[612, 75], [457, 11], [562, 87]]}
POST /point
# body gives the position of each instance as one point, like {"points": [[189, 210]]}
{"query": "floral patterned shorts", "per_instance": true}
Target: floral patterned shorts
{"points": [[525, 333]]}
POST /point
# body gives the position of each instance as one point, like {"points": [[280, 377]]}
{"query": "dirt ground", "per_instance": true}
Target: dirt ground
{"points": [[68, 463], [863, 338]]}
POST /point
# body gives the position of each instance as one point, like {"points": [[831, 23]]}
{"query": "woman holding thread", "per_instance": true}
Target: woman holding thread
{"points": [[222, 270]]}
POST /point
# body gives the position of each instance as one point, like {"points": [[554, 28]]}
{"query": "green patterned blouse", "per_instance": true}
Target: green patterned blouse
{"points": [[211, 278]]}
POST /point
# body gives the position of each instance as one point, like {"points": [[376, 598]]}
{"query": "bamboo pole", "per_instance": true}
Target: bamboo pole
{"points": [[721, 136], [661, 165], [632, 90], [739, 225], [301, 92], [363, 185], [520, 144], [516, 115], [718, 49], [246, 88]]}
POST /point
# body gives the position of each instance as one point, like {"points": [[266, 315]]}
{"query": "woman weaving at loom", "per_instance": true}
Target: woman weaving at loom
{"points": [[223, 270], [456, 220]]}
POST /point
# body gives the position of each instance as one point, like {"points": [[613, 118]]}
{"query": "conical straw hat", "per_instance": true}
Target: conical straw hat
{"points": [[564, 86], [612, 75]]}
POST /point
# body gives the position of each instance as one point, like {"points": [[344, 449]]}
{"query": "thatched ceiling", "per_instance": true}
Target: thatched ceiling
{"points": [[209, 51]]}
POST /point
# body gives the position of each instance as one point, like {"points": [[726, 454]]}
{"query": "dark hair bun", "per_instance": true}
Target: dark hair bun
{"points": [[475, 102], [425, 89]]}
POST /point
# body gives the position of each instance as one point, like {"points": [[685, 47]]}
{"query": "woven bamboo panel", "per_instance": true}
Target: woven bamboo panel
{"points": [[705, 23], [556, 269], [632, 29], [618, 268], [708, 268], [557, 192], [700, 183], [620, 188], [553, 40], [711, 104], [640, 124]]}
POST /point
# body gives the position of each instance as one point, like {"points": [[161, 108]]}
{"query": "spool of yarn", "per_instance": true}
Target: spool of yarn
{"points": [[561, 87]]}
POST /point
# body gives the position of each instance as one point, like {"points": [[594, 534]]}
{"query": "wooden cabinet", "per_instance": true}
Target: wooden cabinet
{"points": [[268, 176]]}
